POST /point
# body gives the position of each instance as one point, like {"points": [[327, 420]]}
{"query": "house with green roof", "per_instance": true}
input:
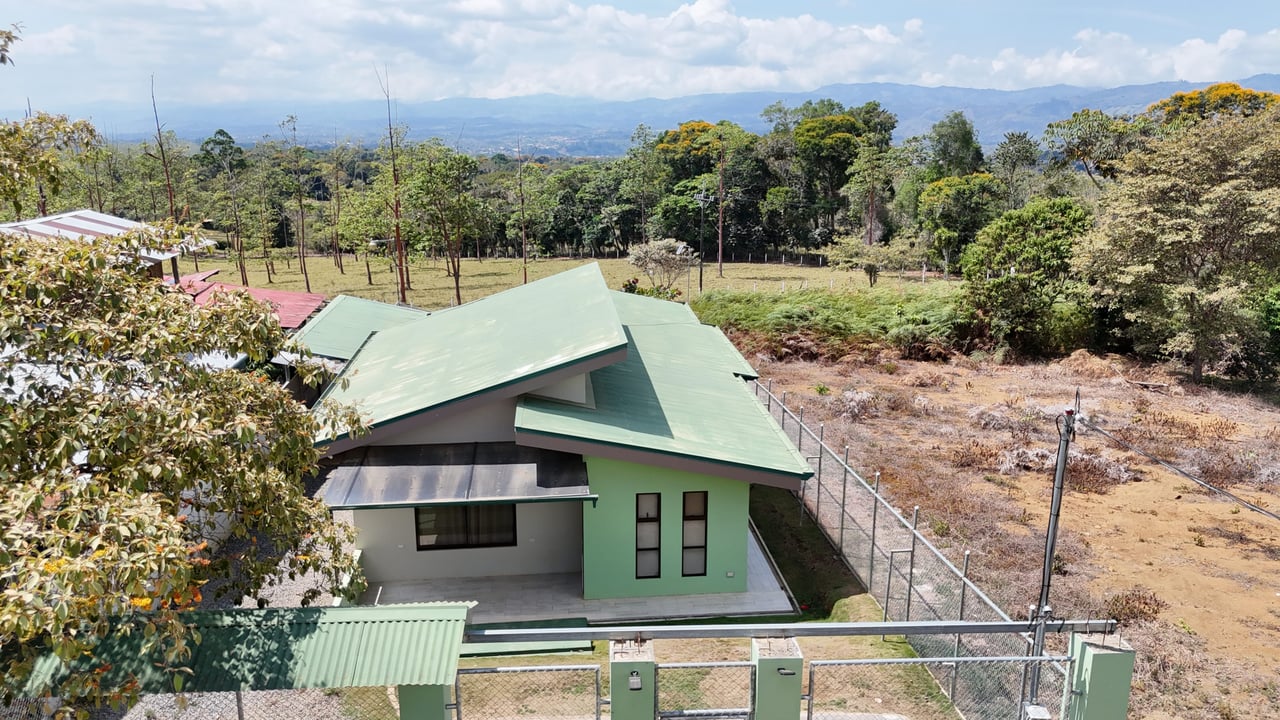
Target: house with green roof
{"points": [[557, 430]]}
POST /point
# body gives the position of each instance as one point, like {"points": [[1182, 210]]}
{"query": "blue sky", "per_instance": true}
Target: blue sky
{"points": [[78, 52]]}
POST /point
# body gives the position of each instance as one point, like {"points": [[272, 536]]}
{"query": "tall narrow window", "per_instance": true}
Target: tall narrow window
{"points": [[648, 535], [694, 560]]}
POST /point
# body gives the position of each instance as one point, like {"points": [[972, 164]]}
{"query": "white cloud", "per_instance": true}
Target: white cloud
{"points": [[202, 50], [61, 40]]}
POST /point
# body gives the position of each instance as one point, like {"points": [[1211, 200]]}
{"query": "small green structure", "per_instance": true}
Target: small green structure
{"points": [[633, 680], [779, 674], [1100, 678], [412, 646]]}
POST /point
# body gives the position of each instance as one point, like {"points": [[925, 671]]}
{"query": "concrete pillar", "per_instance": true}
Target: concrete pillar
{"points": [[779, 668], [424, 702], [633, 688], [1101, 674]]}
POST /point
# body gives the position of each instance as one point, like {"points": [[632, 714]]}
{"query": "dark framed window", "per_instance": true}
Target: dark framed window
{"points": [[694, 535], [465, 526], [648, 535]]}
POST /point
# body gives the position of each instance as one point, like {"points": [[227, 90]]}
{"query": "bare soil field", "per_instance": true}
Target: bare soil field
{"points": [[1194, 576]]}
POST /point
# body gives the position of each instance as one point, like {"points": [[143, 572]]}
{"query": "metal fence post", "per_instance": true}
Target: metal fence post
{"points": [[964, 583], [800, 430], [875, 510], [911, 561], [817, 509], [810, 695], [457, 695], [888, 583], [844, 493]]}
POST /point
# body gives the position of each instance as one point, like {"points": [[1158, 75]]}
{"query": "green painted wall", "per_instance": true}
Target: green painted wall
{"points": [[424, 702], [1102, 675], [609, 531]]}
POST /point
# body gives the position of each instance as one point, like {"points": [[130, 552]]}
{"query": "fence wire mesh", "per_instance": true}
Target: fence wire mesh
{"points": [[569, 691], [364, 703], [724, 686], [922, 688], [898, 565]]}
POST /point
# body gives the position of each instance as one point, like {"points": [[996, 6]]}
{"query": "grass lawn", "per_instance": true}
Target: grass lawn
{"points": [[432, 289]]}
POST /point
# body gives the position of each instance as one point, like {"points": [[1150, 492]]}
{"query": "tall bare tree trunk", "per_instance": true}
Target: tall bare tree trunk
{"points": [[337, 207], [291, 123], [524, 228], [164, 155], [402, 269]]}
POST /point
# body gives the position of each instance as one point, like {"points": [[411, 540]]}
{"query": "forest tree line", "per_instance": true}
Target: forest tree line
{"points": [[1035, 225]]}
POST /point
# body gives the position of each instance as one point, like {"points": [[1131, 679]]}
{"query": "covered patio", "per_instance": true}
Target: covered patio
{"points": [[521, 598]]}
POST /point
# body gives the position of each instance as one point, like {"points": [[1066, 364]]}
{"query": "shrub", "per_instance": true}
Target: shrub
{"points": [[1137, 604], [919, 322]]}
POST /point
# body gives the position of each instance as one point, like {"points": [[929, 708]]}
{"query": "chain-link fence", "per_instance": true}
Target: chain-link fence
{"points": [[363, 703], [547, 691], [969, 687], [899, 566], [718, 689]]}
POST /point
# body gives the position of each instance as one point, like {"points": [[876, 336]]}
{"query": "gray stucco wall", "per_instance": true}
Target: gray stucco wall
{"points": [[548, 540]]}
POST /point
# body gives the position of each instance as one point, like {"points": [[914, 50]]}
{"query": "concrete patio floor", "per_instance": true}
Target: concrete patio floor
{"points": [[522, 598]]}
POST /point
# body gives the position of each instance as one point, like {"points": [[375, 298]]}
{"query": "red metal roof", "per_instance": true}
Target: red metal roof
{"points": [[291, 308]]}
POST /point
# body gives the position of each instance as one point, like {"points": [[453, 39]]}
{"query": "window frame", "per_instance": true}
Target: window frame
{"points": [[467, 523], [656, 521], [684, 532]]}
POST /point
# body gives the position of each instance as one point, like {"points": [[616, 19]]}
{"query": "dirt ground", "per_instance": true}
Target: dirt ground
{"points": [[1195, 576]]}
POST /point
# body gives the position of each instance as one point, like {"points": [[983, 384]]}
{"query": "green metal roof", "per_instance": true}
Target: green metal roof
{"points": [[286, 648], [343, 325], [682, 332], [676, 394], [516, 335]]}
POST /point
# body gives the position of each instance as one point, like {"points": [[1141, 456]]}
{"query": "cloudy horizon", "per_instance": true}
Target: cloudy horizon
{"points": [[78, 52]]}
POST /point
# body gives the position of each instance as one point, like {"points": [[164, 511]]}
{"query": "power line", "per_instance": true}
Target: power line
{"points": [[1180, 471]]}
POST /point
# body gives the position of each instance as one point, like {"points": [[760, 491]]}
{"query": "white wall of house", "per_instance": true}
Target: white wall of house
{"points": [[575, 390], [548, 540], [491, 422]]}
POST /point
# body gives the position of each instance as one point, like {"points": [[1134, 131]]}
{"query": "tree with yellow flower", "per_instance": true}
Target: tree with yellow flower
{"points": [[126, 459]]}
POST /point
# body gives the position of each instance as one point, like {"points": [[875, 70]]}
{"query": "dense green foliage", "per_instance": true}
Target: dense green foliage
{"points": [[128, 459], [1188, 242], [919, 321], [1019, 268], [826, 177]]}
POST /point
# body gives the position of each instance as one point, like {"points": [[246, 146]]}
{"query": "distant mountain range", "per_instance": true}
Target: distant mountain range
{"points": [[571, 126]]}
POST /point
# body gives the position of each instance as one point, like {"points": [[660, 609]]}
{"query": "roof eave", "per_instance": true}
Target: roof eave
{"points": [[672, 461], [427, 416]]}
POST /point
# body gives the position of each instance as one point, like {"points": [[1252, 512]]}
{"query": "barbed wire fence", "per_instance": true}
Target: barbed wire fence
{"points": [[905, 572]]}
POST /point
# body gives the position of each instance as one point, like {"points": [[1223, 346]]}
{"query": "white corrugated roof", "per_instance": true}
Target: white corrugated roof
{"points": [[85, 224]]}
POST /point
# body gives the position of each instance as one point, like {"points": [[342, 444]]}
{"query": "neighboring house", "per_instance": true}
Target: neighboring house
{"points": [[335, 333], [90, 224], [338, 330], [291, 308], [557, 427]]}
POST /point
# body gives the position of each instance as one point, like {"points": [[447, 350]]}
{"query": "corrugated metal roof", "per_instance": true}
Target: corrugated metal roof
{"points": [[339, 329], [291, 308], [677, 393], [82, 224], [286, 648], [549, 326]]}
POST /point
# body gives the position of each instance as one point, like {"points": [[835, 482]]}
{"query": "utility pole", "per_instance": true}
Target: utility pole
{"points": [[720, 231], [1042, 612], [703, 198]]}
